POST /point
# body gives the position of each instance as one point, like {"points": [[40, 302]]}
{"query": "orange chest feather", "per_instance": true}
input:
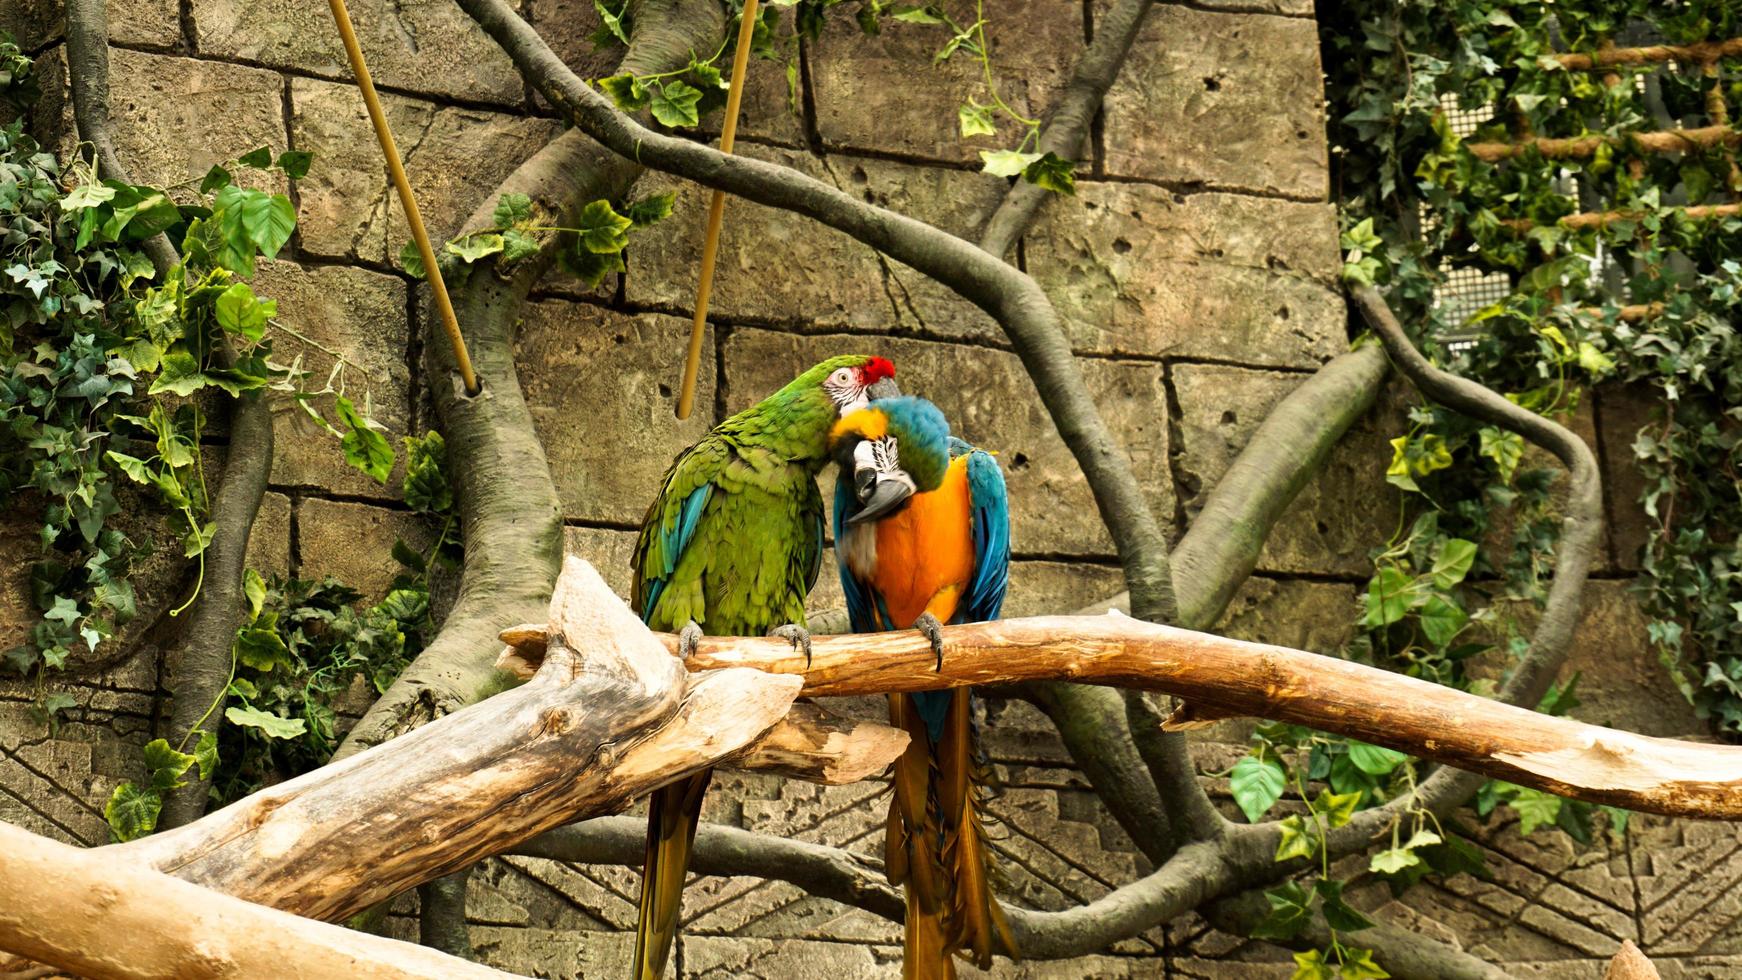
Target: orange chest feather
{"points": [[925, 551]]}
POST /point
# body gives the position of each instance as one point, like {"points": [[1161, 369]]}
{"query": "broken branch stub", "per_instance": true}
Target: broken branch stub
{"points": [[609, 717]]}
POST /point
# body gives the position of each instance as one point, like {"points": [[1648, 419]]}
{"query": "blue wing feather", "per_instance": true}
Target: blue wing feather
{"points": [[990, 509], [673, 540]]}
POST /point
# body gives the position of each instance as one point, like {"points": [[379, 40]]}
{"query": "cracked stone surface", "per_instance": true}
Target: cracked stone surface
{"points": [[1138, 269], [422, 45], [1241, 108], [850, 74], [453, 157], [354, 320], [174, 118], [608, 443]]}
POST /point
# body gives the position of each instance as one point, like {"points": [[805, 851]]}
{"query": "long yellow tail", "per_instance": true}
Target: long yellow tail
{"points": [[976, 923], [672, 815], [936, 847]]}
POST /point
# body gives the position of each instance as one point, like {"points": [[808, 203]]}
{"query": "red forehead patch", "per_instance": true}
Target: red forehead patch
{"points": [[876, 369]]}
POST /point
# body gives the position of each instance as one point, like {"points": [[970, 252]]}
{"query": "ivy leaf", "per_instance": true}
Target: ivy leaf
{"points": [[130, 465], [1390, 862], [411, 260], [269, 220], [1257, 785], [601, 229], [1006, 163], [215, 178], [258, 648], [518, 245], [1053, 173], [1453, 562], [1290, 911], [652, 208], [477, 245], [1358, 965], [48, 708], [166, 765], [626, 91], [259, 158], [917, 15], [87, 196], [511, 209], [1374, 760], [295, 163], [612, 20], [239, 312], [365, 448], [132, 811], [1504, 448], [254, 590], [1535, 809], [675, 104], [206, 753], [1389, 596], [1441, 620], [1339, 915], [1336, 808], [591, 267], [976, 120], [1311, 965], [1299, 838], [268, 724]]}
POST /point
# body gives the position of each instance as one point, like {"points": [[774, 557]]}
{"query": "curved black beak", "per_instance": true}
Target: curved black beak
{"points": [[886, 493]]}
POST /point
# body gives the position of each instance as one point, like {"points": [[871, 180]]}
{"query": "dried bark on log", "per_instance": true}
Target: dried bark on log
{"points": [[1233, 677], [1664, 141], [610, 716], [80, 910]]}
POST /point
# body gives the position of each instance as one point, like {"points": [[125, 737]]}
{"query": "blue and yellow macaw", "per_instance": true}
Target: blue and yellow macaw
{"points": [[922, 537]]}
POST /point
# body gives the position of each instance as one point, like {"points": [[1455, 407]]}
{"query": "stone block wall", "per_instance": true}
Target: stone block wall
{"points": [[1195, 271]]}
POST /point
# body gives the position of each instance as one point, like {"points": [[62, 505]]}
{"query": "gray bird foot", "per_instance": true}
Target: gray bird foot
{"points": [[688, 639], [798, 636], [934, 631]]}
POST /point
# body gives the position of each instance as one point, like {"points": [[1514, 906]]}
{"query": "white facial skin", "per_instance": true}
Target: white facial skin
{"points": [[846, 386]]}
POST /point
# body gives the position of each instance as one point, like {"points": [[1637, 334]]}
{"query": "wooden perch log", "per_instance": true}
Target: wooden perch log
{"points": [[609, 716], [80, 910], [1227, 677], [1704, 52], [1665, 141]]}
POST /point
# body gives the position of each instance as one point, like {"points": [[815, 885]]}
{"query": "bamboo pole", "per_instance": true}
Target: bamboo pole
{"points": [[686, 398], [407, 200]]}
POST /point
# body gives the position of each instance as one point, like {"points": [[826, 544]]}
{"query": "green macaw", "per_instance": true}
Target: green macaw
{"points": [[731, 547]]}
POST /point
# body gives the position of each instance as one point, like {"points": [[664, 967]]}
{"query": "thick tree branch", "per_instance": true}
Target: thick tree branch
{"points": [[508, 502], [80, 910], [441, 914], [1581, 530], [1010, 297]]}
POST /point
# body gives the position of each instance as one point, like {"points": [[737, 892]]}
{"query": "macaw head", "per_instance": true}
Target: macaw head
{"points": [[846, 380], [894, 447]]}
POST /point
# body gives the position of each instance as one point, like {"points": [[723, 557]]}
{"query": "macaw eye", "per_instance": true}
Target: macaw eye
{"points": [[842, 376]]}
